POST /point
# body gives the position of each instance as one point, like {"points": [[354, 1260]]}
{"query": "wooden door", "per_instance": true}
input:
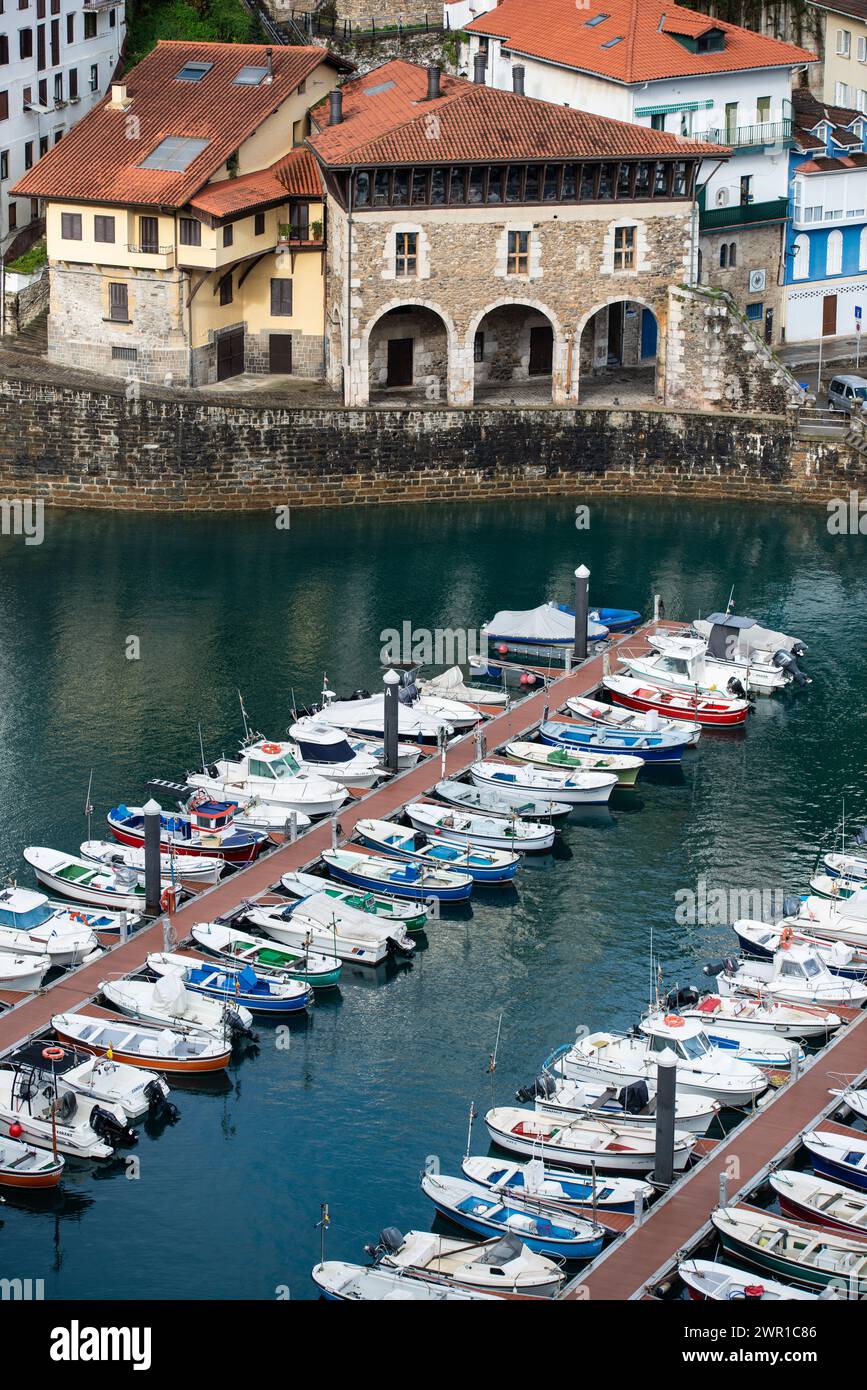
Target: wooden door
{"points": [[541, 350], [230, 354], [399, 362], [829, 315], [280, 353]]}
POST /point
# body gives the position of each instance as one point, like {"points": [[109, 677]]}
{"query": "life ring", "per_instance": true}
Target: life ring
{"points": [[673, 1021], [53, 1054], [270, 748], [786, 938]]}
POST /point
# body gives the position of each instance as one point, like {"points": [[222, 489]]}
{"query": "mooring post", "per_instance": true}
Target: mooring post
{"points": [[666, 1086], [391, 681], [723, 1189], [582, 608], [152, 812], [795, 1065], [123, 927], [293, 827]]}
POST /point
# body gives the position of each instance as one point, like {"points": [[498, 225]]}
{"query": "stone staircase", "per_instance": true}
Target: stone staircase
{"points": [[33, 339]]}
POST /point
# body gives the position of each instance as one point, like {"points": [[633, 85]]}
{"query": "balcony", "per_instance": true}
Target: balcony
{"points": [[100, 4], [748, 136], [743, 215]]}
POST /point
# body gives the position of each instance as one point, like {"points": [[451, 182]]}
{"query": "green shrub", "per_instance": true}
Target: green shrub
{"points": [[32, 260], [209, 21]]}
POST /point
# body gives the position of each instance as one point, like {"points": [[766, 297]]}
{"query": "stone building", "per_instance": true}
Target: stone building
{"points": [[478, 237]]}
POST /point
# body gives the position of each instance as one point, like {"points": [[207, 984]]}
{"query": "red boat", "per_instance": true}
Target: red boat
{"points": [[713, 711], [208, 829], [26, 1167]]}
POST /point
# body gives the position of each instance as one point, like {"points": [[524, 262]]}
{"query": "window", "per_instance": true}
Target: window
{"points": [[193, 72], [226, 289], [26, 96], [118, 302], [250, 77], [746, 188], [70, 28], [763, 110], [406, 253], [25, 44], [149, 235], [844, 43], [862, 50], [73, 83], [834, 256], [479, 348], [13, 216], [698, 268], [174, 154], [103, 229], [281, 298], [755, 312], [58, 86], [28, 155], [844, 94], [4, 106], [124, 354], [43, 91], [34, 209], [657, 121], [733, 254], [70, 226], [723, 256], [43, 145], [299, 225], [731, 118], [190, 232], [518, 255], [624, 248], [4, 164], [112, 19], [228, 235], [258, 224], [89, 25], [94, 77]]}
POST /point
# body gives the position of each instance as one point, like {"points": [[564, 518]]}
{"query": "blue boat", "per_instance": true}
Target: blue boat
{"points": [[536, 1179], [237, 986], [615, 619], [664, 747], [482, 865], [842, 1157], [401, 877], [547, 1230]]}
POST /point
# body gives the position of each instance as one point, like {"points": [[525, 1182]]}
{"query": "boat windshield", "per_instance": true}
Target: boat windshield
{"points": [[693, 1048], [26, 921], [285, 766], [676, 665], [812, 967]]}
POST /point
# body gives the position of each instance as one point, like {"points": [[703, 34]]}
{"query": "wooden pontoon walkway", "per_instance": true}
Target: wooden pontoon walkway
{"points": [[75, 987]]}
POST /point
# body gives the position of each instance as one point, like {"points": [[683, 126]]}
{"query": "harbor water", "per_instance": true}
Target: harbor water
{"points": [[122, 633]]}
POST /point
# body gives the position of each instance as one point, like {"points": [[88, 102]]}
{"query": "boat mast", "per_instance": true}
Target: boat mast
{"points": [[244, 717], [472, 1116], [88, 808], [201, 747]]}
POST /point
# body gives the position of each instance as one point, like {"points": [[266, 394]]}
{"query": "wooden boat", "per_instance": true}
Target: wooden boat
{"points": [[710, 711], [320, 924], [608, 1145], [268, 771], [209, 828], [168, 1002], [794, 974], [469, 828], [106, 1081], [190, 868], [722, 1283], [618, 717], [26, 1168], [413, 917], [144, 1045], [820, 1202], [52, 1116], [741, 1016], [348, 1283], [318, 971], [633, 1104], [624, 767], [515, 782], [790, 1250], [493, 803], [762, 941], [503, 1265], [23, 974], [479, 1209], [76, 878], [595, 740], [30, 925], [482, 865], [558, 1186], [405, 880], [842, 1157], [235, 985]]}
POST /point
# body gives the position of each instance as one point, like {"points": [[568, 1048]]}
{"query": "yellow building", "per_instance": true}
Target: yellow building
{"points": [[842, 78], [185, 218]]}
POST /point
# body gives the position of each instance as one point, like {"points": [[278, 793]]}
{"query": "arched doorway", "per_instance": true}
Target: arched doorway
{"points": [[515, 349], [618, 354], [408, 356]]}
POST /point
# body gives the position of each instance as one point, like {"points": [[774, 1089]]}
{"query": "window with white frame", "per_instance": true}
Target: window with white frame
{"points": [[834, 254], [844, 43], [801, 258], [624, 248], [844, 94], [862, 50]]}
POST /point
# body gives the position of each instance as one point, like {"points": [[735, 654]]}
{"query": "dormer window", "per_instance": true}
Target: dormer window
{"points": [[714, 41]]}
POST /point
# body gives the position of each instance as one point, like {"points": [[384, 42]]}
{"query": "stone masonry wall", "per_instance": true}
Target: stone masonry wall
{"points": [[757, 248]]}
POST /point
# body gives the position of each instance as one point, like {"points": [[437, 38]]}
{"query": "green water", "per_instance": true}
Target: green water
{"points": [[383, 1073]]}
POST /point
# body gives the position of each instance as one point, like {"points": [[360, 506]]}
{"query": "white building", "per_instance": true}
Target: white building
{"points": [[57, 58]]}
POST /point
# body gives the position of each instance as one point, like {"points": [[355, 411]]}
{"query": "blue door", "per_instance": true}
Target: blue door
{"points": [[648, 334]]}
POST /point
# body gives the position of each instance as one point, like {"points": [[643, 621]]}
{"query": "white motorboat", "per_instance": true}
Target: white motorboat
{"points": [[101, 1079], [502, 1265], [850, 866], [722, 1283], [451, 685], [682, 664], [366, 717], [632, 720], [761, 941], [72, 877], [517, 781], [348, 1283], [245, 948], [702, 1068], [796, 975], [491, 803], [740, 1016], [856, 1099], [634, 1105], [748, 648], [81, 1126], [23, 974], [468, 828], [319, 923], [167, 1001], [328, 753], [29, 924], [174, 868], [609, 1146], [268, 772]]}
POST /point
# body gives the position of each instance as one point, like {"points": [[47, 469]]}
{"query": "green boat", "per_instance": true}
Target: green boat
{"points": [[412, 916], [320, 972], [802, 1254], [624, 766], [824, 886]]}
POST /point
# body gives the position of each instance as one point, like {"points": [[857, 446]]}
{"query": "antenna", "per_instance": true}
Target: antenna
{"points": [[472, 1116], [201, 747], [244, 717], [492, 1060], [88, 808]]}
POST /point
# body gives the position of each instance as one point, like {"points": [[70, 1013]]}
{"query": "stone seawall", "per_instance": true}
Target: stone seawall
{"points": [[91, 446]]}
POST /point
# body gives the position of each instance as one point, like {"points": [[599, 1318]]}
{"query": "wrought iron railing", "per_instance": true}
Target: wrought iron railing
{"points": [[764, 133], [743, 214]]}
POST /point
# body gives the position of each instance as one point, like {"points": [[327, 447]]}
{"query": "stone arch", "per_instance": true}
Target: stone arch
{"points": [[517, 364], [359, 384], [579, 344]]}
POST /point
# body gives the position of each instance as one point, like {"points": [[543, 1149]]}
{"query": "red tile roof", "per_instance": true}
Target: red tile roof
{"points": [[648, 49], [295, 175], [387, 119], [809, 112], [97, 162]]}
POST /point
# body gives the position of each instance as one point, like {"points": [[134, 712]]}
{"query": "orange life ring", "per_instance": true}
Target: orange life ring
{"points": [[270, 747], [673, 1021], [53, 1054], [786, 938]]}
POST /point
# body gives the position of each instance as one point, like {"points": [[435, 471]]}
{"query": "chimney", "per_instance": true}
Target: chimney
{"points": [[518, 79], [480, 62], [335, 114], [269, 58], [119, 98], [433, 82]]}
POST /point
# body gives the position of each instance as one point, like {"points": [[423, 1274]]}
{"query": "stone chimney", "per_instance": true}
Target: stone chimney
{"points": [[120, 98]]}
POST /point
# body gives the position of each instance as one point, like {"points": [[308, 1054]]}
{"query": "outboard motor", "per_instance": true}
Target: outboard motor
{"points": [[791, 905], [720, 967], [784, 661], [237, 1027], [682, 998], [390, 1241], [109, 1128], [159, 1103], [736, 688], [544, 1086]]}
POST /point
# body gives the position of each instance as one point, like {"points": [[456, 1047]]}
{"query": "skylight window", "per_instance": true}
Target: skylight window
{"points": [[609, 43], [381, 87], [193, 72], [250, 77], [597, 19], [174, 154]]}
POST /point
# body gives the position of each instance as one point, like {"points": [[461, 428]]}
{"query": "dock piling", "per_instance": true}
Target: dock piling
{"points": [[152, 811], [666, 1089], [391, 681], [582, 609]]}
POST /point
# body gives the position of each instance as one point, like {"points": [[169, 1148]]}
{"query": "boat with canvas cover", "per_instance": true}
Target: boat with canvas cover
{"points": [[620, 718], [491, 803], [761, 941], [266, 771], [481, 1210], [741, 1017], [451, 685], [544, 633], [608, 1146], [366, 717], [561, 1187], [466, 828], [23, 974], [235, 985], [105, 1080], [482, 865], [144, 1045], [168, 1002], [502, 1265], [413, 917], [207, 828], [404, 879], [326, 752], [794, 974], [787, 1248], [565, 753], [723, 1283], [842, 1157], [31, 925], [718, 711], [27, 1168], [745, 646], [121, 889], [820, 1202], [51, 1115], [198, 869], [635, 1104], [569, 734], [318, 923], [683, 664], [348, 1283], [516, 781], [321, 972]]}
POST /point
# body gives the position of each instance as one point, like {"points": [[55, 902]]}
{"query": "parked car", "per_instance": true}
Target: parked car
{"points": [[847, 393]]}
